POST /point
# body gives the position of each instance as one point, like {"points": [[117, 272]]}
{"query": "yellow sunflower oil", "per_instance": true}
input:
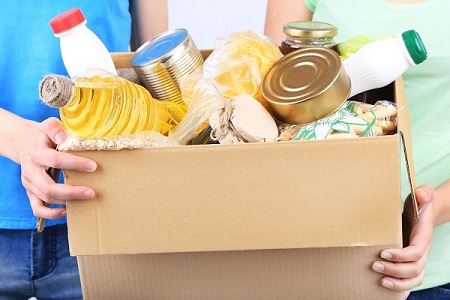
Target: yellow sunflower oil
{"points": [[108, 106]]}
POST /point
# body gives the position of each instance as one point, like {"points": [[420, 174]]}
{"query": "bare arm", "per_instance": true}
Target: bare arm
{"points": [[150, 18], [442, 198], [280, 12], [11, 127], [404, 268], [32, 145]]}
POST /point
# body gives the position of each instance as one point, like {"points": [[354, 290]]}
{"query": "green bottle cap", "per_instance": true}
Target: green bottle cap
{"points": [[415, 46]]}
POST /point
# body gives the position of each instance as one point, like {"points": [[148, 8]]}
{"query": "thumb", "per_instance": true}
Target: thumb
{"points": [[53, 128], [424, 194]]}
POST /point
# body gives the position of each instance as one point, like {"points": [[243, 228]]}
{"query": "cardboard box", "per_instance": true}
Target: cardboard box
{"points": [[294, 220]]}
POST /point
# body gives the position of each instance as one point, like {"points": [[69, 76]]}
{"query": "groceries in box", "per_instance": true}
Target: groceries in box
{"points": [[228, 97]]}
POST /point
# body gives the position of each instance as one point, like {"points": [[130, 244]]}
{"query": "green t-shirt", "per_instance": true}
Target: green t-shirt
{"points": [[427, 90]]}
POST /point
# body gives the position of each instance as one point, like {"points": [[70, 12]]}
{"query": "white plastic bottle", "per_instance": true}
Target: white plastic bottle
{"points": [[379, 63], [81, 49]]}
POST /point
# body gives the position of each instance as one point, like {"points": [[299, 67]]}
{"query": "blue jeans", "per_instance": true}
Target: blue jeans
{"points": [[37, 265], [437, 293]]}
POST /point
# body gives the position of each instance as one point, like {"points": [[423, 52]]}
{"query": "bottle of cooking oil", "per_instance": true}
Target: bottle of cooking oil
{"points": [[104, 106]]}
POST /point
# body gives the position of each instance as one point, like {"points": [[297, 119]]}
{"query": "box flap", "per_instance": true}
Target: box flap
{"points": [[239, 197], [326, 273]]}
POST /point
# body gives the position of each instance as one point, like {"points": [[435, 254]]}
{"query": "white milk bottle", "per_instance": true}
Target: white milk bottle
{"points": [[379, 63], [81, 49]]}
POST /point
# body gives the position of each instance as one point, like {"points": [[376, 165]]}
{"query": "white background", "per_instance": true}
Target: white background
{"points": [[207, 20]]}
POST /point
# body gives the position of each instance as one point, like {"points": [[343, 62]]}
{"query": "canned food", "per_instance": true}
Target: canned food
{"points": [[163, 61], [306, 85]]}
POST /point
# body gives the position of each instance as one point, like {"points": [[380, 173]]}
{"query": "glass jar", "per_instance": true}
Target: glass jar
{"points": [[308, 34]]}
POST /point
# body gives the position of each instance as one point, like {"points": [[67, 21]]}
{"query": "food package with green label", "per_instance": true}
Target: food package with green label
{"points": [[353, 119]]}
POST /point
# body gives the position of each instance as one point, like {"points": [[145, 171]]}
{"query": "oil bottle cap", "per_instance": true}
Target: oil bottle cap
{"points": [[415, 46], [67, 20]]}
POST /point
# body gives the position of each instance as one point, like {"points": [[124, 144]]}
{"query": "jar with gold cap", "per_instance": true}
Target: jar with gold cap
{"points": [[308, 34]]}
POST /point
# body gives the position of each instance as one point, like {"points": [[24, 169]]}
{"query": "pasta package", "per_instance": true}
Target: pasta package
{"points": [[239, 63]]}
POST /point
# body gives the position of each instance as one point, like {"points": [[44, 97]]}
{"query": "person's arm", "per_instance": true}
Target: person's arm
{"points": [[32, 145], [150, 18], [280, 12], [404, 268], [442, 196], [10, 128]]}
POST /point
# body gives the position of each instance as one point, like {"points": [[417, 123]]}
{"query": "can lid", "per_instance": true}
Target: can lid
{"points": [[67, 20], [161, 47], [310, 29], [301, 75], [305, 85], [415, 46]]}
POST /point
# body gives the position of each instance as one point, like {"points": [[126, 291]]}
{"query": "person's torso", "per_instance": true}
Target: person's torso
{"points": [[427, 89], [29, 51]]}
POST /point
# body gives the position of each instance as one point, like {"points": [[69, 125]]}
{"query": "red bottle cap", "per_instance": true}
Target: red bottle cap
{"points": [[67, 20]]}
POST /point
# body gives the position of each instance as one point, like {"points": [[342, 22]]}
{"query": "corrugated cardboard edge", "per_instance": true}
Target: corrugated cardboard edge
{"points": [[404, 131]]}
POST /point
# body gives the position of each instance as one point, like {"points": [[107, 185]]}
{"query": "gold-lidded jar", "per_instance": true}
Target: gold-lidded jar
{"points": [[308, 34], [305, 86], [163, 61]]}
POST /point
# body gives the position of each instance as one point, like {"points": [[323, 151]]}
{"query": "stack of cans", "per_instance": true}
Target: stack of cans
{"points": [[163, 61]]}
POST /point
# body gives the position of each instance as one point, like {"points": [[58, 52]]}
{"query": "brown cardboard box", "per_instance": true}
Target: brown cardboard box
{"points": [[296, 220]]}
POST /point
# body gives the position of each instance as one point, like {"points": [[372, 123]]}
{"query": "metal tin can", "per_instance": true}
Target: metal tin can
{"points": [[306, 85], [161, 62], [308, 34]]}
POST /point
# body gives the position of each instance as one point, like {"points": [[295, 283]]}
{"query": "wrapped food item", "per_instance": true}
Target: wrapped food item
{"points": [[354, 119], [383, 116], [239, 63], [287, 132], [235, 67], [242, 120], [203, 138], [201, 97]]}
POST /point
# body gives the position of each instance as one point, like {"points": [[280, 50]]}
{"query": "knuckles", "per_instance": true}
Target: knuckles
{"points": [[35, 212], [51, 124], [416, 272]]}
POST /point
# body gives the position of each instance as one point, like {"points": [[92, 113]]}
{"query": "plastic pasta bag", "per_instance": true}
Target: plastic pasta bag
{"points": [[237, 66], [202, 98], [239, 63]]}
